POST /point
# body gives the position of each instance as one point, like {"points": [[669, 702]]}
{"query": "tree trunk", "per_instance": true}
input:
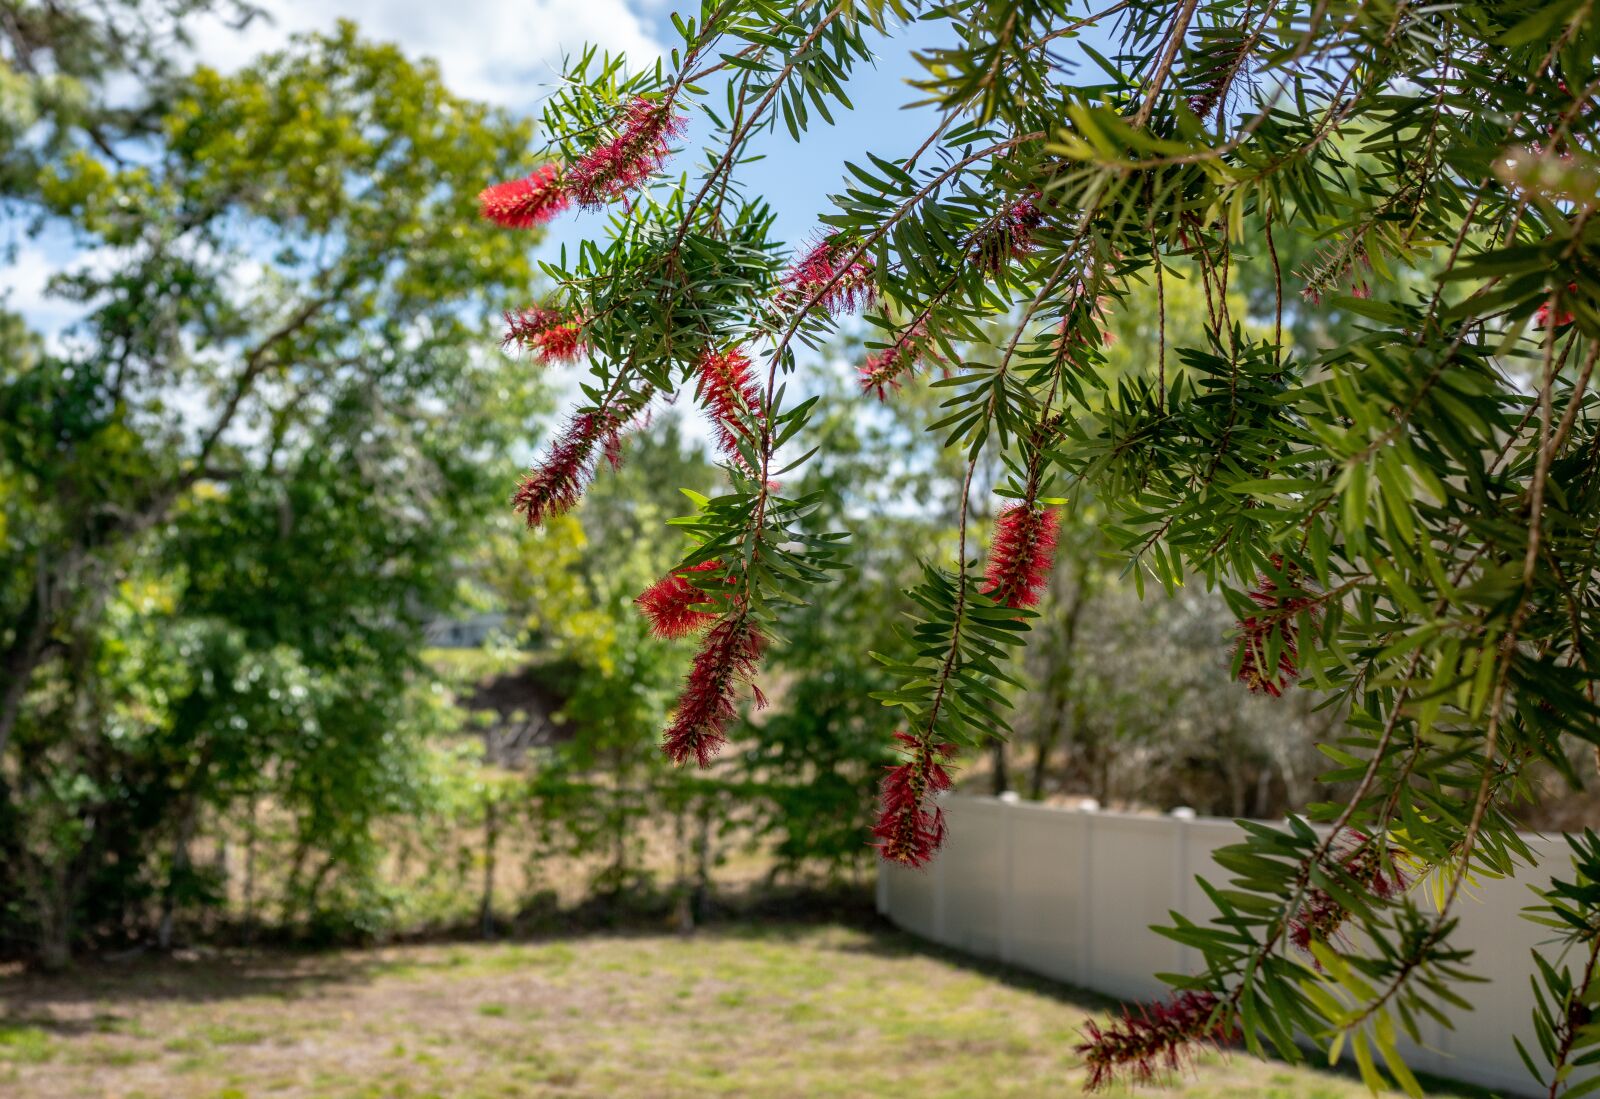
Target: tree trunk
{"points": [[180, 864], [1102, 775], [250, 874], [21, 658], [1263, 792], [491, 834], [314, 893], [291, 882], [619, 824], [1060, 691], [683, 903], [1236, 788], [52, 893], [222, 871], [702, 885], [180, 867], [1001, 770], [1042, 751], [55, 935]]}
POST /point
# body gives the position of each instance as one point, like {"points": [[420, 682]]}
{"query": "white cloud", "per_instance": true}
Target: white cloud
{"points": [[26, 269], [26, 277], [503, 51]]}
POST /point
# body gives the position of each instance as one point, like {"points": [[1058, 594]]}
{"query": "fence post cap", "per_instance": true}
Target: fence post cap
{"points": [[1183, 812]]}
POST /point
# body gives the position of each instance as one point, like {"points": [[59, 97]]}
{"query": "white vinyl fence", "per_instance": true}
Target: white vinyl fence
{"points": [[1072, 895]]}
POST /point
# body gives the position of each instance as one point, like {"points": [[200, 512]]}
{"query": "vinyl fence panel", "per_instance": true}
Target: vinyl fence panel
{"points": [[1072, 895]]}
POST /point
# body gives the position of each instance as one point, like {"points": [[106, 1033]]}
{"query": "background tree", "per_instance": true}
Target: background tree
{"points": [[86, 73], [238, 489]]}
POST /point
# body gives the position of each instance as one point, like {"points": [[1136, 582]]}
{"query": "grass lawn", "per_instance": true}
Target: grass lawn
{"points": [[801, 1011]]}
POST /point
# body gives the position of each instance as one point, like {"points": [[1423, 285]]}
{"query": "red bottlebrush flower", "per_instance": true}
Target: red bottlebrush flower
{"points": [[1278, 622], [827, 276], [1151, 1038], [906, 831], [728, 656], [1010, 237], [630, 156], [524, 203], [674, 606], [562, 343], [552, 336], [1020, 554], [883, 369], [554, 485], [1543, 318], [1321, 917], [731, 395]]}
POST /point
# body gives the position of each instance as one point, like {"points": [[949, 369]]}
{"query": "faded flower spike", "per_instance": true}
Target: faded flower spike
{"points": [[1010, 237], [827, 275], [731, 395], [624, 161], [1276, 626], [1321, 917], [883, 369], [556, 484], [1151, 1038], [548, 334], [729, 656]]}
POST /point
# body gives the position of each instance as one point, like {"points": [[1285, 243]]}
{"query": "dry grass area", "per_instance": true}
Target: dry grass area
{"points": [[781, 1011]]}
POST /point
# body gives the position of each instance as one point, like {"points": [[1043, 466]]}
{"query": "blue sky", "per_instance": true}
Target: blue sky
{"points": [[796, 178], [508, 52]]}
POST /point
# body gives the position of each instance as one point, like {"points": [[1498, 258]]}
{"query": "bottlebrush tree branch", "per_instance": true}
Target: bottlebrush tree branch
{"points": [[1401, 516]]}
